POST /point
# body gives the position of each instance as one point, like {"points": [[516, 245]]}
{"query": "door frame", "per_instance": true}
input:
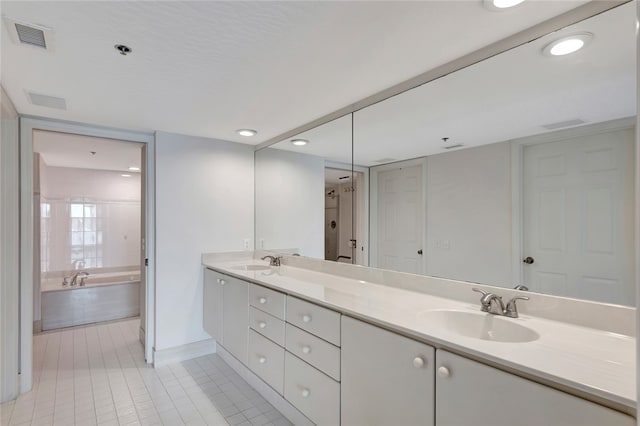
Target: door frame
{"points": [[27, 125], [517, 180], [373, 203]]}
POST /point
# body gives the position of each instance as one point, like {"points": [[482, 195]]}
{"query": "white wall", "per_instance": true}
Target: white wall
{"points": [[117, 199], [9, 249], [469, 214], [290, 201], [204, 203]]}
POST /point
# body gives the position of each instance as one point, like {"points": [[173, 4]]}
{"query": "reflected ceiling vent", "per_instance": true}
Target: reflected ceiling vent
{"points": [[562, 124], [458, 145], [47, 101], [24, 33]]}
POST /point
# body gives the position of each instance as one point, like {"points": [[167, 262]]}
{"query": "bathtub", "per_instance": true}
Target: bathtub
{"points": [[104, 297]]}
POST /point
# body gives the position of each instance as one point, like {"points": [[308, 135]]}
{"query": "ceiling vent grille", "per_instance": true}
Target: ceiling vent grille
{"points": [[458, 145], [562, 124], [31, 35], [47, 101], [27, 34]]}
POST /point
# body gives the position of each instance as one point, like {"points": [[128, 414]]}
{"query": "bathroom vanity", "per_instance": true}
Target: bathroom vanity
{"points": [[333, 344]]}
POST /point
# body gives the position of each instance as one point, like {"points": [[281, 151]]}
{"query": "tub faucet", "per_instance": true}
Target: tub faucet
{"points": [[78, 264], [273, 260], [74, 279]]}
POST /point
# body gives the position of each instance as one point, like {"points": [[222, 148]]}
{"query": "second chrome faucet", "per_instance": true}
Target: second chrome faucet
{"points": [[493, 304]]}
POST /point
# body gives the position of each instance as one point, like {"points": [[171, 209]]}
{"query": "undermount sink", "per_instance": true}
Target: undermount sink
{"points": [[480, 326], [251, 267]]}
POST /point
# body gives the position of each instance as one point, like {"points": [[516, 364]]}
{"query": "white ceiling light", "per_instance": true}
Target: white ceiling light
{"points": [[134, 169], [246, 132], [299, 142], [125, 175], [567, 44], [498, 5]]}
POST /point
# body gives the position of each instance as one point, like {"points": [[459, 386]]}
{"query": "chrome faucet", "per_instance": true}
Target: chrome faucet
{"points": [[74, 279], [498, 308], [273, 260]]}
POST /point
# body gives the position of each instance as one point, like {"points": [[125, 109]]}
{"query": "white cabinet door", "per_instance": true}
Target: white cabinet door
{"points": [[212, 309], [471, 393], [235, 317], [387, 379]]}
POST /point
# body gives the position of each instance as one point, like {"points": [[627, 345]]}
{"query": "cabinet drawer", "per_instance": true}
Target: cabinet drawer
{"points": [[266, 359], [317, 352], [322, 322], [314, 393], [267, 300], [267, 325]]}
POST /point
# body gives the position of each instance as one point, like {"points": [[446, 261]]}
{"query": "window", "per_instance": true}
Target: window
{"points": [[86, 234]]}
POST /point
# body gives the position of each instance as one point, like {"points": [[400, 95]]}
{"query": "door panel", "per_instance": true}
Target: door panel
{"points": [[578, 217]]}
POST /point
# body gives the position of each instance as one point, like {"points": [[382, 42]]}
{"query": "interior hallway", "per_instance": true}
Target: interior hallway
{"points": [[96, 375]]}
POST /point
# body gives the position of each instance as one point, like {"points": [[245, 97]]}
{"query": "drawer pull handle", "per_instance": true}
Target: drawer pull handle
{"points": [[306, 349], [443, 372], [418, 362], [262, 300], [262, 360], [262, 324], [306, 318], [305, 393]]}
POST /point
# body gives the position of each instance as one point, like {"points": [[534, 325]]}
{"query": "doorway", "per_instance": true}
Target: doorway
{"points": [[87, 229], [578, 217], [343, 211], [28, 128]]}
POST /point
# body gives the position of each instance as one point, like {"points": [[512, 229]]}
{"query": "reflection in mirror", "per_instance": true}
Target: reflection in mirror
{"points": [[307, 195], [517, 170]]}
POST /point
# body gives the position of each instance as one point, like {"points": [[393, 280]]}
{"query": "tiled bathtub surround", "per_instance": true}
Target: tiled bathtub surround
{"points": [[97, 376]]}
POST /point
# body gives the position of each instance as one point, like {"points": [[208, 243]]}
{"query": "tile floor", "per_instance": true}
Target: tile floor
{"points": [[96, 375]]}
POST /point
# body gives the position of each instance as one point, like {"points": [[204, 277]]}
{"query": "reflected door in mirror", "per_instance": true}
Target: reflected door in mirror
{"points": [[578, 217]]}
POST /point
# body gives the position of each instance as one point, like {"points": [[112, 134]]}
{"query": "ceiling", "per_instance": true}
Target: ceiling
{"points": [[512, 95], [67, 150], [209, 68]]}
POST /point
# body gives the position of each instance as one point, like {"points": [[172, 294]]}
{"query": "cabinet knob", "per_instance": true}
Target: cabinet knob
{"points": [[306, 349], [305, 393], [218, 280], [418, 362], [262, 300], [262, 360], [443, 372], [262, 324], [222, 282], [306, 318]]}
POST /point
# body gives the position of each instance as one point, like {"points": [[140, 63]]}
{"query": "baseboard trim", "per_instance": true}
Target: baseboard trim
{"points": [[37, 326], [267, 392], [184, 352]]}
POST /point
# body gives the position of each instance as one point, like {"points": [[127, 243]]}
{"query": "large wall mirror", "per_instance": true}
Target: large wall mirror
{"points": [[517, 170], [307, 193]]}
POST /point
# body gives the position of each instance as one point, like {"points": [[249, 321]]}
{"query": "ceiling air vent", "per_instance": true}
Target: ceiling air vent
{"points": [[562, 124], [47, 101], [27, 34], [458, 145]]}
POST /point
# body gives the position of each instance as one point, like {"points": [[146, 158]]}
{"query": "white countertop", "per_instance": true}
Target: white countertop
{"points": [[591, 363]]}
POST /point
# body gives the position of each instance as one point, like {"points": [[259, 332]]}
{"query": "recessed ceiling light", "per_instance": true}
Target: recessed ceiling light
{"points": [[125, 175], [497, 5], [567, 44], [246, 132], [299, 142], [134, 169]]}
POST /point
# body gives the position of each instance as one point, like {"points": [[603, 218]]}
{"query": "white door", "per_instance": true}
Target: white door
{"points": [[331, 233], [400, 219], [578, 217]]}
